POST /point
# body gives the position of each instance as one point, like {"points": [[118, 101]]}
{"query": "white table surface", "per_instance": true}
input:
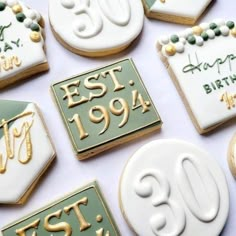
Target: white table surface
{"points": [[67, 173]]}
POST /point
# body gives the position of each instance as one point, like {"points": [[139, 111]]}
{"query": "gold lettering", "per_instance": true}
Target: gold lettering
{"points": [[22, 231], [80, 127], [63, 226], [114, 78], [229, 99], [92, 86], [9, 63], [100, 232], [138, 97], [10, 152], [76, 207], [70, 94]]}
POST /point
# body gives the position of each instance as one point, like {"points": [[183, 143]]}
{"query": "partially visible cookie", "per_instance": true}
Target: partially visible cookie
{"points": [[177, 11], [171, 187], [98, 27], [21, 42], [83, 212], [26, 150], [201, 62], [232, 156]]}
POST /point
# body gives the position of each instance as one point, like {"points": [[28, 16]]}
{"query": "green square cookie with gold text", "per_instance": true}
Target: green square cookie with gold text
{"points": [[82, 213], [105, 107]]}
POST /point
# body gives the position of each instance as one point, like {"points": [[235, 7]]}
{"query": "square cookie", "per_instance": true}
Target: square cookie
{"points": [[83, 212], [201, 62], [26, 150], [177, 11], [105, 107]]}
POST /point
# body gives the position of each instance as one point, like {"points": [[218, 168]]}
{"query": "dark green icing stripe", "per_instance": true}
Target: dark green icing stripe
{"points": [[9, 109]]}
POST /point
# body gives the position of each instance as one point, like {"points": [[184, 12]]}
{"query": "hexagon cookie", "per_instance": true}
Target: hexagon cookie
{"points": [[25, 150], [21, 42], [98, 27], [178, 11]]}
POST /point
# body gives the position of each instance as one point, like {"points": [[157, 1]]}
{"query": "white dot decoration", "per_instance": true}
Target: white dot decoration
{"points": [[32, 14], [219, 22], [11, 3], [224, 30], [204, 26], [199, 41], [183, 40], [28, 22], [211, 33], [179, 47], [165, 40]]}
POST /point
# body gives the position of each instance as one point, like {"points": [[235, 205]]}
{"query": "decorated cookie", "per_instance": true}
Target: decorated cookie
{"points": [[25, 150], [105, 107], [201, 61], [21, 42], [178, 11], [232, 156], [173, 188], [83, 212], [96, 27]]}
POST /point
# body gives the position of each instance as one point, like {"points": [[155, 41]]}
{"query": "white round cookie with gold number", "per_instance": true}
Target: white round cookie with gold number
{"points": [[96, 27], [173, 188]]}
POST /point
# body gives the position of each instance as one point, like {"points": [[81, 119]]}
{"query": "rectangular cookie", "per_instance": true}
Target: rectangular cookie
{"points": [[83, 212], [201, 62], [105, 107]]}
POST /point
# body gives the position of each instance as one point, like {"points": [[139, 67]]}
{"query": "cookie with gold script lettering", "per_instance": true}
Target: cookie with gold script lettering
{"points": [[83, 212], [202, 63], [26, 150], [105, 107], [177, 11], [21, 42]]}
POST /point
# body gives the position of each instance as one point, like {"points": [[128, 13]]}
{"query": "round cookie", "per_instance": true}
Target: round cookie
{"points": [[173, 188], [232, 156], [96, 28]]}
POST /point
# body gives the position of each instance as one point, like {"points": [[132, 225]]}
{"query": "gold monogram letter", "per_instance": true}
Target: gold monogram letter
{"points": [[22, 231]]}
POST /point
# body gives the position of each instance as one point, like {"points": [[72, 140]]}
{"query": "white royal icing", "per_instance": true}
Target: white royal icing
{"points": [[182, 8], [98, 25], [17, 179], [171, 188], [210, 106], [28, 52]]}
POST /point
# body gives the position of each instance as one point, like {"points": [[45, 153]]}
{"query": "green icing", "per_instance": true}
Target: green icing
{"points": [[9, 109], [191, 39], [35, 27], [213, 26], [2, 6], [217, 31], [20, 17], [174, 38], [204, 36], [7, 47], [95, 206], [2, 29], [150, 3], [230, 24], [137, 120]]}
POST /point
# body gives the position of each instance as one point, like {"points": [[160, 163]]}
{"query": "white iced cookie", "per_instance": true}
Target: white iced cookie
{"points": [[173, 188], [96, 27], [25, 150], [21, 42], [178, 11], [232, 156], [204, 71]]}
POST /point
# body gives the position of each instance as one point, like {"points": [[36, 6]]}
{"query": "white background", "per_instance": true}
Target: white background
{"points": [[67, 173]]}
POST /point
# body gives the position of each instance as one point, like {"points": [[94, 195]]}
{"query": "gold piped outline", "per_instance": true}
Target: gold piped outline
{"points": [[231, 157], [88, 152], [93, 185]]}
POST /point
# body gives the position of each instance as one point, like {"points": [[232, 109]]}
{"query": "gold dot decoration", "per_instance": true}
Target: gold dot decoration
{"points": [[233, 31], [17, 9], [99, 218], [170, 50], [35, 36], [163, 1], [197, 30], [131, 82]]}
